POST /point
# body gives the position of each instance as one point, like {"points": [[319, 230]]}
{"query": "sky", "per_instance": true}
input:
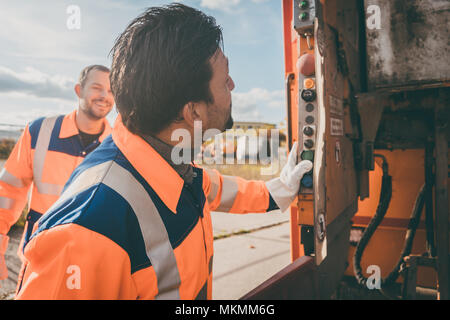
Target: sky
{"points": [[44, 48]]}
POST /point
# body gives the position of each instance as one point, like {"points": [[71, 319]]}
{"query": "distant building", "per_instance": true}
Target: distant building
{"points": [[244, 140], [253, 125]]}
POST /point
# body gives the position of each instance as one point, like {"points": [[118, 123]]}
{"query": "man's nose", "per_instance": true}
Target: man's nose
{"points": [[231, 84]]}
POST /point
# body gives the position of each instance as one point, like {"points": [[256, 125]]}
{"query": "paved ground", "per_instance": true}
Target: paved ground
{"points": [[243, 262], [248, 250], [8, 286]]}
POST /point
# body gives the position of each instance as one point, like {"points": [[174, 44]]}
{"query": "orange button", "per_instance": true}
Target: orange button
{"points": [[308, 83]]}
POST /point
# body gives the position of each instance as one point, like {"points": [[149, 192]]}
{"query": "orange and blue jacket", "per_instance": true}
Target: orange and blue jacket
{"points": [[127, 226], [45, 156]]}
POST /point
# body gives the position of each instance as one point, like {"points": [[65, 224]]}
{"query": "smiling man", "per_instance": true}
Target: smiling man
{"points": [[47, 153], [131, 223]]}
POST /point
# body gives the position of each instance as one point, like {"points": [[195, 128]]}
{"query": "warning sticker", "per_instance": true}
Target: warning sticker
{"points": [[336, 105], [337, 127]]}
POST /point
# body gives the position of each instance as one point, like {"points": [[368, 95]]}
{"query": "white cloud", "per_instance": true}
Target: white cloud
{"points": [[19, 108], [257, 104], [223, 5], [34, 82]]}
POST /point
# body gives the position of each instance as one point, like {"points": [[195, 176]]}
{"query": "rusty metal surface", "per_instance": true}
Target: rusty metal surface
{"points": [[297, 281], [412, 46]]}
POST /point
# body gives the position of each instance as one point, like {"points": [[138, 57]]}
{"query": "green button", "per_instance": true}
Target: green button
{"points": [[303, 4], [307, 155], [303, 16]]}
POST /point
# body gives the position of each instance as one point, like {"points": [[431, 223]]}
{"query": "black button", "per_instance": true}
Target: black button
{"points": [[308, 131], [309, 119], [309, 107], [308, 95], [309, 143]]}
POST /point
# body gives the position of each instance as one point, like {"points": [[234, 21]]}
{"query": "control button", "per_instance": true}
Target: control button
{"points": [[307, 155], [308, 95], [308, 131], [309, 143], [309, 107], [303, 16], [309, 119], [307, 181], [308, 83], [303, 4]]}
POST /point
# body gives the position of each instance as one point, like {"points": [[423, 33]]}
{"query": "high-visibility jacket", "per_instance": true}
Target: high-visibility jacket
{"points": [[45, 155], [128, 227]]}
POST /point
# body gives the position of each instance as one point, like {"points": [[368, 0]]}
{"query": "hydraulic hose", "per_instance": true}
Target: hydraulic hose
{"points": [[385, 197], [383, 204]]}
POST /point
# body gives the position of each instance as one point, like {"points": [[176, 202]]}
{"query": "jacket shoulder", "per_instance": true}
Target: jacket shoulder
{"points": [[101, 210], [34, 128]]}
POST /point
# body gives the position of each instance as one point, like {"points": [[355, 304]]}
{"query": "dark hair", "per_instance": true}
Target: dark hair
{"points": [[160, 63], [85, 72]]}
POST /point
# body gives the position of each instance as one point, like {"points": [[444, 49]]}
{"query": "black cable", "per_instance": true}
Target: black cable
{"points": [[383, 204], [385, 197]]}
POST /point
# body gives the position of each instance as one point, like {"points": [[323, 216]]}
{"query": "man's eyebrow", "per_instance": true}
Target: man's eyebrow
{"points": [[227, 63]]}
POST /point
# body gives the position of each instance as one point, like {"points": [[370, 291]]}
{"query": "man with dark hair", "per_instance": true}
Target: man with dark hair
{"points": [[133, 223], [47, 153]]}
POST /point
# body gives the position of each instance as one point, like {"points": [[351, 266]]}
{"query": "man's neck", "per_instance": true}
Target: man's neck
{"points": [[166, 137], [88, 125], [165, 151]]}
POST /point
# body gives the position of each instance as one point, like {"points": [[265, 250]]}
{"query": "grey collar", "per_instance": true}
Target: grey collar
{"points": [[184, 170]]}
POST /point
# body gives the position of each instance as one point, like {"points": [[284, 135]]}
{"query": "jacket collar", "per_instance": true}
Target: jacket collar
{"points": [[163, 179], [69, 127]]}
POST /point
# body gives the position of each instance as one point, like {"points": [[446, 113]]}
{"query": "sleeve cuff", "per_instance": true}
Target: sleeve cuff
{"points": [[272, 204], [281, 195]]}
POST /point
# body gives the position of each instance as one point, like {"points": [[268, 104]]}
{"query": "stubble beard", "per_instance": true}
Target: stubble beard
{"points": [[89, 111], [230, 122]]}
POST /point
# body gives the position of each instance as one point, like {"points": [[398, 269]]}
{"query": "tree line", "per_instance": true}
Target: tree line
{"points": [[6, 146]]}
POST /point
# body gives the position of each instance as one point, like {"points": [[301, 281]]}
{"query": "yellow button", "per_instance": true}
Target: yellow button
{"points": [[308, 83]]}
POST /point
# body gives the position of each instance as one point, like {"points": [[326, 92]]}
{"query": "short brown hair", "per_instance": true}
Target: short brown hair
{"points": [[85, 72], [160, 63]]}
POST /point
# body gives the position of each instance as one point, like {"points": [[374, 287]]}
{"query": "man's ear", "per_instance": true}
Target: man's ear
{"points": [[78, 90], [192, 112]]}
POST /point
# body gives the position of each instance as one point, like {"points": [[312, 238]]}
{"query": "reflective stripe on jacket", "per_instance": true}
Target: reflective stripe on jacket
{"points": [[46, 155], [128, 227]]}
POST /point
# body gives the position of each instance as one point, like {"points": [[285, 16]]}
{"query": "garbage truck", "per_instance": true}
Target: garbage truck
{"points": [[368, 100]]}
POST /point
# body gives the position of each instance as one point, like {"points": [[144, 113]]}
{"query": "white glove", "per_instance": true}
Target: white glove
{"points": [[285, 188], [4, 239]]}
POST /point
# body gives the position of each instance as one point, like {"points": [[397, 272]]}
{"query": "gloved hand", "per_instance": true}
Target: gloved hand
{"points": [[4, 239], [285, 188]]}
